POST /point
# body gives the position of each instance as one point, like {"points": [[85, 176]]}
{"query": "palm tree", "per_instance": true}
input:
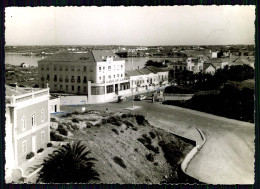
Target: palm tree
{"points": [[69, 164]]}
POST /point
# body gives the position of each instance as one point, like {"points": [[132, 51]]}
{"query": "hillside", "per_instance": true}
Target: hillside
{"points": [[128, 149]]}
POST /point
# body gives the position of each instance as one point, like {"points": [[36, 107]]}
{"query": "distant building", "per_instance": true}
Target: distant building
{"points": [[214, 55], [209, 69], [54, 104], [23, 65], [27, 125], [217, 63]]}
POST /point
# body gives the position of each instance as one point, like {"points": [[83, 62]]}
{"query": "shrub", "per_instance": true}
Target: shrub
{"points": [[124, 115], [40, 150], [74, 127], [55, 137], [141, 140], [119, 161], [104, 121], [30, 155], [121, 131], [156, 163], [115, 131], [171, 152], [147, 138], [75, 120], [140, 119], [49, 145], [136, 150], [150, 157], [152, 134], [114, 121], [135, 128], [152, 148], [53, 119], [62, 130], [98, 125], [128, 123]]}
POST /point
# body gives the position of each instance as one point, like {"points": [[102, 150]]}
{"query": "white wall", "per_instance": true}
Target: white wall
{"points": [[73, 100]]}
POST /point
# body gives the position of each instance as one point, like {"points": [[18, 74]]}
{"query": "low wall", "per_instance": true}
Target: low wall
{"points": [[73, 100], [192, 153], [168, 96]]}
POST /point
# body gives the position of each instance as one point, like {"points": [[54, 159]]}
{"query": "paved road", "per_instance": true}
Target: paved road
{"points": [[227, 157]]}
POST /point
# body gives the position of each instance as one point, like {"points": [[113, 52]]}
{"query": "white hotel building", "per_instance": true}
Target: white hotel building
{"points": [[97, 74]]}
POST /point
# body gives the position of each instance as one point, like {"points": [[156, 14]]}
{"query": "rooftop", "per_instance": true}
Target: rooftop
{"points": [[86, 57], [16, 91], [214, 60], [208, 65]]}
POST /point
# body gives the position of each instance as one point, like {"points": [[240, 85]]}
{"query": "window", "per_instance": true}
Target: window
{"points": [[24, 147], [99, 78], [121, 67], [42, 85], [109, 88], [55, 78], [114, 76], [85, 79], [121, 75], [72, 88], [42, 115], [42, 137], [55, 87], [72, 68], [99, 68], [66, 68], [42, 67], [48, 67], [78, 88], [103, 67], [48, 77], [78, 68], [85, 68], [72, 79], [85, 89], [61, 87], [55, 67], [109, 77], [33, 120], [109, 68], [60, 68], [117, 75], [78, 80], [67, 87], [23, 123]]}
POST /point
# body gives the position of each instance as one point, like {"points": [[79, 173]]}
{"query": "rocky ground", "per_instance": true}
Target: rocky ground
{"points": [[128, 149]]}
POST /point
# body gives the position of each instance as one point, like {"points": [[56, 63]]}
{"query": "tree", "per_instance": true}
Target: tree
{"points": [[69, 164]]}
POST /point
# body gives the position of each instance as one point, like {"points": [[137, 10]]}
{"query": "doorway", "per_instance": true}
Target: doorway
{"points": [[55, 108], [116, 89]]}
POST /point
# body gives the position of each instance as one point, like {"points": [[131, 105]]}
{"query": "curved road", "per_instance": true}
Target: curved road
{"points": [[227, 157]]}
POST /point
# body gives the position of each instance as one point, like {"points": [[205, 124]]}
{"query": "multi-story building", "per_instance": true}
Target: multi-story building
{"points": [[99, 74], [27, 124]]}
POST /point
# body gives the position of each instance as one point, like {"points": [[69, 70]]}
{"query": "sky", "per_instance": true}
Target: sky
{"points": [[144, 26]]}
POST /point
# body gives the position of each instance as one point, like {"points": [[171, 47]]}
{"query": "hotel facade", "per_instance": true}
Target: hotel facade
{"points": [[98, 74]]}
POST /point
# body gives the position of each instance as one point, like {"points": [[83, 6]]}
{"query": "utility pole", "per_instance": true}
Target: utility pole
{"points": [[132, 95]]}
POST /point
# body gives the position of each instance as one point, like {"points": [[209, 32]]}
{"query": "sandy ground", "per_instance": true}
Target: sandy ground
{"points": [[228, 155]]}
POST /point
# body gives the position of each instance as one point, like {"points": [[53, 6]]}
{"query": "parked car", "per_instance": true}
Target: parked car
{"points": [[140, 97], [121, 98]]}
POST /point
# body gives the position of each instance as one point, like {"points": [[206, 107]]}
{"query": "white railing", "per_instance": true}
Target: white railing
{"points": [[27, 96]]}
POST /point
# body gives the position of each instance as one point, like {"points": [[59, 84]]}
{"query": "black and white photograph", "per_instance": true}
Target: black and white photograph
{"points": [[130, 95]]}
